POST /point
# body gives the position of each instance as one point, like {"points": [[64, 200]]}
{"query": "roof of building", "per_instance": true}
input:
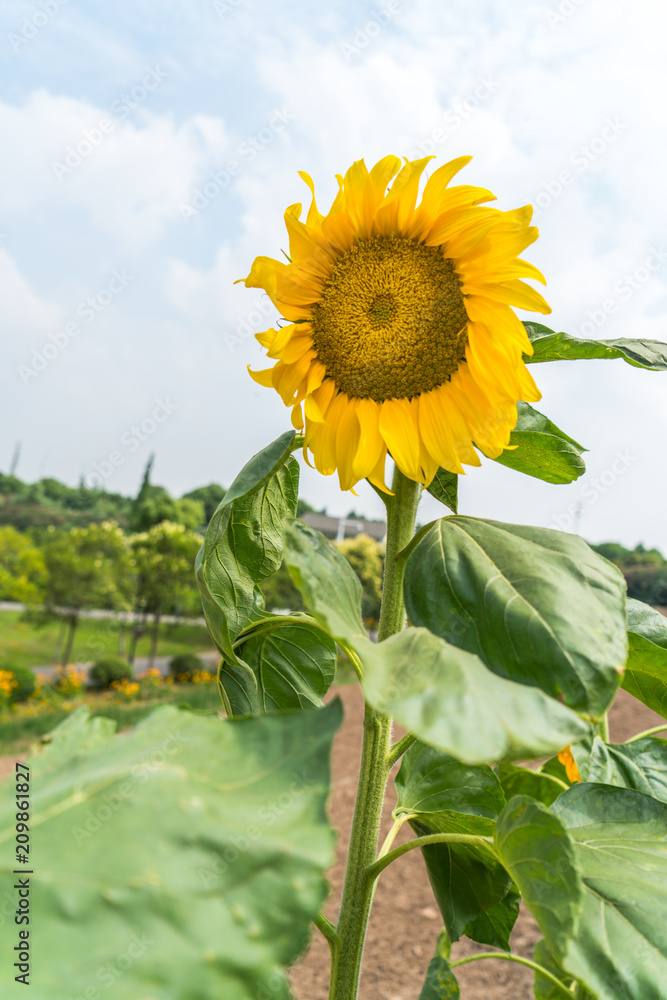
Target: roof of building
{"points": [[339, 528]]}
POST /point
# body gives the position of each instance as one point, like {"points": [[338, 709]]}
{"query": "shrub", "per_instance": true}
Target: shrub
{"points": [[104, 672], [69, 680], [25, 679], [184, 667]]}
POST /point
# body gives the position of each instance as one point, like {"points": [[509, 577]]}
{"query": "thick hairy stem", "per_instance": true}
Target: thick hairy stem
{"points": [[358, 888]]}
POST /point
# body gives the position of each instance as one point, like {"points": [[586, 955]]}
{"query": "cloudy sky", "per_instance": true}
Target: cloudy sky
{"points": [[122, 227]]}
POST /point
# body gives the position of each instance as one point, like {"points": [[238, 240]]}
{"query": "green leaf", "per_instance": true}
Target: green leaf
{"points": [[329, 586], [440, 795], [620, 843], [440, 983], [645, 621], [444, 487], [538, 606], [640, 765], [244, 545], [495, 925], [189, 853], [261, 467], [645, 674], [539, 855], [534, 784], [544, 989], [294, 664], [540, 449], [448, 699], [555, 769], [550, 346]]}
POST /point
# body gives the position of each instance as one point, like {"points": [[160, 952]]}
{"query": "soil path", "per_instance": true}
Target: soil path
{"points": [[405, 922]]}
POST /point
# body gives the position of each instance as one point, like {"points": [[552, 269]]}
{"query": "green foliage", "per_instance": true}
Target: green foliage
{"points": [[164, 559], [88, 568], [104, 672], [538, 606], [25, 678], [444, 488], [365, 556], [207, 870], [550, 346], [183, 667], [540, 449], [440, 983], [22, 568], [209, 497], [645, 674]]}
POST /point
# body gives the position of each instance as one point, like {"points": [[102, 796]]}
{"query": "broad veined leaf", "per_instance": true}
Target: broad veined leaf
{"points": [[551, 346], [537, 606], [620, 843], [448, 698], [540, 449], [646, 670], [440, 983], [537, 851], [640, 765], [329, 586], [294, 664], [494, 926], [440, 795], [543, 988], [244, 544], [190, 853], [535, 784], [445, 487]]}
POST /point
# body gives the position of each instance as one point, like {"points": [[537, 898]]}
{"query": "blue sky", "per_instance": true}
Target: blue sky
{"points": [[115, 120]]}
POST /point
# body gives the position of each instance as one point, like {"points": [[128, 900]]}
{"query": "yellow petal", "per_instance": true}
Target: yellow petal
{"points": [[401, 434], [264, 377]]}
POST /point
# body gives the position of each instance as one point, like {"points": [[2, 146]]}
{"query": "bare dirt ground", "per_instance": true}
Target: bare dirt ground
{"points": [[405, 922]]}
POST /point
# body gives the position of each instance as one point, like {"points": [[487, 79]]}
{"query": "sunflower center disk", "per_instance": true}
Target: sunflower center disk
{"points": [[391, 322]]}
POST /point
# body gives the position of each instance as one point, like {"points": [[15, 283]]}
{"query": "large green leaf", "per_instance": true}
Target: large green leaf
{"points": [[543, 988], [189, 853], [538, 606], [494, 926], [445, 487], [540, 449], [448, 698], [640, 765], [620, 843], [535, 784], [244, 544], [440, 983], [646, 670], [329, 586], [551, 346], [440, 795], [539, 855], [294, 664]]}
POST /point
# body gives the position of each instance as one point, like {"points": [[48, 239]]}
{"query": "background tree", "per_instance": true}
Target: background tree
{"points": [[87, 567], [210, 496], [22, 568], [366, 558], [164, 561]]}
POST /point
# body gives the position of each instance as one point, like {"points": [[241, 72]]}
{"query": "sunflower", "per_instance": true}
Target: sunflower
{"points": [[399, 331]]}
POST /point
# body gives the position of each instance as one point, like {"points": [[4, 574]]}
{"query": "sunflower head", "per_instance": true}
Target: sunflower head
{"points": [[399, 331]]}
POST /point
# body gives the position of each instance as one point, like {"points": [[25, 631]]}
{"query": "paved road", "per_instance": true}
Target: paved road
{"points": [[123, 616]]}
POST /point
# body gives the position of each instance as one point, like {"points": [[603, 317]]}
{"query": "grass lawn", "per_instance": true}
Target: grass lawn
{"points": [[25, 644], [24, 726]]}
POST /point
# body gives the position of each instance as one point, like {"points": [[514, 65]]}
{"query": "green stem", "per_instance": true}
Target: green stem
{"points": [[329, 932], [399, 748], [602, 728], [433, 838], [359, 887], [648, 732], [391, 836], [505, 956]]}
